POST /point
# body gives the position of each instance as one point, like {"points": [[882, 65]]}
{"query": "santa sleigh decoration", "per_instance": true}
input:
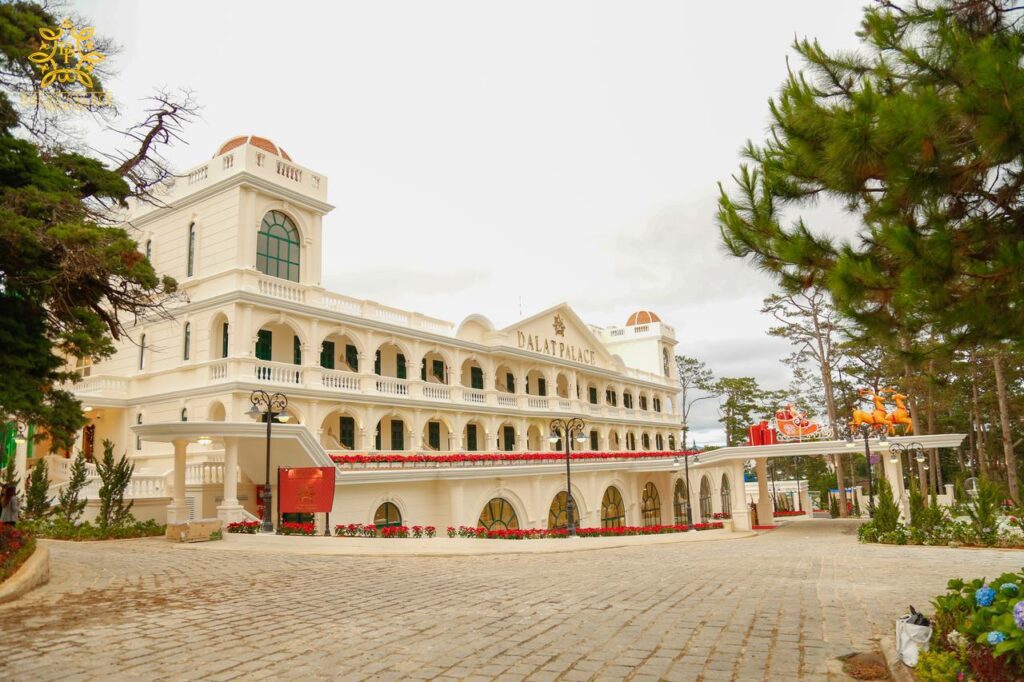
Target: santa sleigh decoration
{"points": [[792, 424]]}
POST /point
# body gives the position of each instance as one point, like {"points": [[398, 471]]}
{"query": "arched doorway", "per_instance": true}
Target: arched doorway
{"points": [[613, 511], [705, 499], [679, 502], [498, 514], [556, 514], [651, 506], [726, 496], [388, 514]]}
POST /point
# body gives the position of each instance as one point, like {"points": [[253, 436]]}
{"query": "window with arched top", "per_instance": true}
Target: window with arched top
{"points": [[557, 514], [679, 502], [613, 511], [388, 514], [138, 438], [651, 506], [184, 414], [187, 350], [142, 352], [705, 499], [726, 495], [278, 247], [498, 514], [191, 249], [671, 442]]}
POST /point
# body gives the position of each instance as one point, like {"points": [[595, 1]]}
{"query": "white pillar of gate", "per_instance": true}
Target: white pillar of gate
{"points": [[177, 511], [894, 474], [740, 512], [765, 504], [229, 510]]}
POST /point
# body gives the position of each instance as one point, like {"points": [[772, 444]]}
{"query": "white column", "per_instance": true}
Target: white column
{"points": [[765, 504], [177, 512], [894, 474], [229, 509], [740, 512]]}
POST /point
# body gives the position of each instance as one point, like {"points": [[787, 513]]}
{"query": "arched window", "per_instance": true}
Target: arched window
{"points": [[184, 414], [142, 352], [138, 439], [191, 248], [613, 511], [188, 341], [705, 499], [277, 247], [386, 515], [645, 439], [664, 361], [556, 514], [726, 495], [679, 502], [498, 514], [630, 441], [149, 249], [659, 442], [671, 442], [651, 506]]}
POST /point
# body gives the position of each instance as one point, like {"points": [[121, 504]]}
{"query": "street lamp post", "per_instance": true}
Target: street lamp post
{"points": [[269, 406], [565, 430], [865, 431]]}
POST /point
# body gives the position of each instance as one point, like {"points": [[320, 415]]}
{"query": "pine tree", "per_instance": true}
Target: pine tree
{"points": [[887, 513], [69, 506], [37, 503], [11, 475], [114, 480]]}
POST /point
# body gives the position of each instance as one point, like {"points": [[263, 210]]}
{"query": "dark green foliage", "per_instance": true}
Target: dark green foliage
{"points": [[983, 512], [37, 502], [887, 513], [833, 507], [58, 528], [114, 480], [743, 402], [921, 135], [69, 506]]}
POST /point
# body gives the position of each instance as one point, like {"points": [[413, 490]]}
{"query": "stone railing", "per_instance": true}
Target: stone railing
{"points": [[340, 381], [200, 473], [105, 384], [278, 372]]}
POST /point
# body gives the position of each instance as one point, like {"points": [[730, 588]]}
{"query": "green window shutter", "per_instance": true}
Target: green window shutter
{"points": [[377, 438], [376, 364], [471, 437], [527, 384], [296, 351], [352, 357], [434, 434], [593, 440], [438, 369], [327, 355], [397, 434], [188, 341], [224, 341], [264, 344], [510, 382], [347, 433], [542, 387], [476, 377], [423, 370], [401, 367], [191, 248], [593, 395], [510, 438]]}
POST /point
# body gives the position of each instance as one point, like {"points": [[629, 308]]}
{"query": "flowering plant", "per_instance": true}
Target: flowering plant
{"points": [[542, 533], [721, 515], [250, 527], [296, 529], [787, 512], [16, 546], [983, 625], [475, 458]]}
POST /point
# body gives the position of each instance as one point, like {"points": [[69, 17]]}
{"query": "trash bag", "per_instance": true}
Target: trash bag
{"points": [[912, 635]]}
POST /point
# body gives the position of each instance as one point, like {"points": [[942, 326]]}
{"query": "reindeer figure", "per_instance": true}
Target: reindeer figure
{"points": [[900, 415], [878, 418]]}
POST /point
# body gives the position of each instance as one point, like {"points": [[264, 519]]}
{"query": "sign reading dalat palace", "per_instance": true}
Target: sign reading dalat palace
{"points": [[243, 233]]}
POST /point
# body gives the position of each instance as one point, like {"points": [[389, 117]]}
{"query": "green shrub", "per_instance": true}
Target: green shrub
{"points": [[61, 529], [37, 504], [887, 514], [868, 532], [938, 666], [114, 478], [983, 512], [69, 506]]}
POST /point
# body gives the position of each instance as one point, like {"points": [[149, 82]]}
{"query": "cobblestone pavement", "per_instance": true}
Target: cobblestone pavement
{"points": [[780, 606]]}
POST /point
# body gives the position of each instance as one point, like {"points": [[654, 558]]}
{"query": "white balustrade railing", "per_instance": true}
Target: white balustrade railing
{"points": [[507, 400], [342, 381], [139, 487], [393, 386], [198, 175], [341, 304], [537, 403], [201, 473], [279, 289], [564, 404], [289, 171], [219, 370], [95, 384], [278, 372], [437, 392], [392, 315], [474, 396]]}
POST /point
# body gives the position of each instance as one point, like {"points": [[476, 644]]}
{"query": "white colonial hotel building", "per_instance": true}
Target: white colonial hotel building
{"points": [[242, 235]]}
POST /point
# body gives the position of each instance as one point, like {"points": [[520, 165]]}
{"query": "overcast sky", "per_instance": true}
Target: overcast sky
{"points": [[488, 157]]}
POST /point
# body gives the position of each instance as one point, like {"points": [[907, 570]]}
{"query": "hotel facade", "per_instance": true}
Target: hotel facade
{"points": [[241, 234]]}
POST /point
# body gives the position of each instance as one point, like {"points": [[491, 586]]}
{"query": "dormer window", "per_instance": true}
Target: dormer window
{"points": [[277, 247]]}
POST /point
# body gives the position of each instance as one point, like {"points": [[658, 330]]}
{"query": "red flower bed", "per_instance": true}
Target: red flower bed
{"points": [[359, 530], [721, 515], [296, 529], [501, 457], [785, 512], [250, 527], [16, 546], [540, 533]]}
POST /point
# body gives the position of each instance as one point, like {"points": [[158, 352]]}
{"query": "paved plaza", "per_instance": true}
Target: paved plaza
{"points": [[778, 606]]}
